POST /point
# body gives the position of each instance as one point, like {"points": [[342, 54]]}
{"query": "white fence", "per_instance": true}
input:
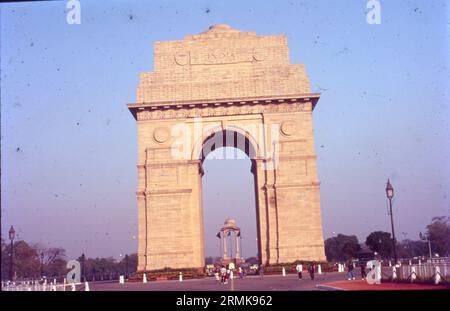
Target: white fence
{"points": [[41, 286], [425, 271]]}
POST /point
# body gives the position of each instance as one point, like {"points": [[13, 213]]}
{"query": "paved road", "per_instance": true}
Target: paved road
{"points": [[250, 283]]}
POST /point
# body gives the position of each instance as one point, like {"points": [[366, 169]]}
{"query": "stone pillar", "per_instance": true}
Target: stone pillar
{"points": [[293, 192], [261, 210], [224, 245], [171, 220], [142, 230], [237, 247]]}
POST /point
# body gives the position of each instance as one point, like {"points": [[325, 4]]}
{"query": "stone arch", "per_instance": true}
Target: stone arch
{"points": [[259, 87], [251, 147]]}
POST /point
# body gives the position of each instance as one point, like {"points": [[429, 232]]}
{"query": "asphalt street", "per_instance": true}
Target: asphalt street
{"points": [[251, 283]]}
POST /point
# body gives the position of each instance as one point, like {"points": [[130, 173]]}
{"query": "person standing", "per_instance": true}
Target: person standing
{"points": [[311, 271], [350, 271], [217, 273], [223, 275], [227, 275], [261, 271], [363, 270], [299, 269]]}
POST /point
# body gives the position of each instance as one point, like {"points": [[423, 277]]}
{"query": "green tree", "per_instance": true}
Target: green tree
{"points": [[132, 263], [26, 260], [381, 243], [5, 259], [410, 249], [439, 233], [52, 259], [341, 247]]}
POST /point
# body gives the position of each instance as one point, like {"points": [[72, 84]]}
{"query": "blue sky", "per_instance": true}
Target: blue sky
{"points": [[68, 142]]}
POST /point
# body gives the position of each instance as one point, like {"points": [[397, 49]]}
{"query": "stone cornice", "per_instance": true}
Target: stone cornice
{"points": [[167, 191], [201, 108], [281, 186]]}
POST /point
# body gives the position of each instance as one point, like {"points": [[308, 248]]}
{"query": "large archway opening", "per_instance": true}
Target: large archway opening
{"points": [[228, 192]]}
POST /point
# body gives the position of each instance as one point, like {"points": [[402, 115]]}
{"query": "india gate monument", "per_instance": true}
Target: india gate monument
{"points": [[225, 87]]}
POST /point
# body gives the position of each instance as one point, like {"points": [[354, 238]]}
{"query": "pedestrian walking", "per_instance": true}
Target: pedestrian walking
{"points": [[363, 270], [299, 269], [223, 275], [311, 271], [350, 271]]}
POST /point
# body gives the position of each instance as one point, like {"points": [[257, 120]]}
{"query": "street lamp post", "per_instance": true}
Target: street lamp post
{"points": [[12, 235], [426, 237], [408, 246], [390, 195], [42, 264], [83, 270], [126, 265]]}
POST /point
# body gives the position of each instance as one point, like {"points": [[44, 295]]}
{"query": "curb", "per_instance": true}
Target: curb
{"points": [[329, 288]]}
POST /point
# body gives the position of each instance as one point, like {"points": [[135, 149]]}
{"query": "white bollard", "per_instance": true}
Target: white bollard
{"points": [[73, 287], [410, 262], [180, 277], [284, 272], [54, 281], [319, 270], [390, 264], [144, 278], [437, 275], [64, 284], [394, 273], [121, 279], [420, 262], [86, 287], [413, 273]]}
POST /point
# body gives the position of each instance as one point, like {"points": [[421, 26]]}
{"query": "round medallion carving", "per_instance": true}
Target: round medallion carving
{"points": [[182, 59], [160, 135], [259, 54], [288, 128]]}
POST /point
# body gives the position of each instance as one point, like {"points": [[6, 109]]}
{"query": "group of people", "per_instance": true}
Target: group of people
{"points": [[224, 273], [350, 268], [311, 270]]}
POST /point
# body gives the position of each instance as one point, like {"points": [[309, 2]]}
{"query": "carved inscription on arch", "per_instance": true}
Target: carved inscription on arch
{"points": [[220, 56]]}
